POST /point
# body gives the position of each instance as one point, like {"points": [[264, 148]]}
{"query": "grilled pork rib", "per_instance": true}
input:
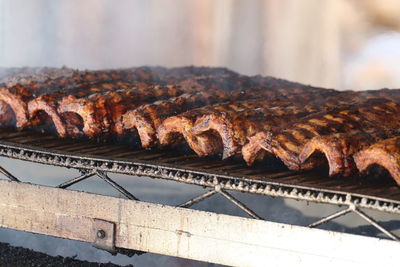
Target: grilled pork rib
{"points": [[147, 118], [234, 127], [99, 107], [339, 148], [286, 142], [385, 153], [253, 110], [85, 98], [50, 104], [182, 124], [18, 91]]}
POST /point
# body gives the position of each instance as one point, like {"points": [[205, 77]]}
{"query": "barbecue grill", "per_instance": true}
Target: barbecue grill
{"points": [[100, 159], [125, 224]]}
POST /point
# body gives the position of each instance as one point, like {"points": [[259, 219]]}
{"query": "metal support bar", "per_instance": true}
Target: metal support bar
{"points": [[331, 217], [361, 214], [9, 175], [197, 199], [77, 179], [376, 224], [239, 204], [120, 189]]}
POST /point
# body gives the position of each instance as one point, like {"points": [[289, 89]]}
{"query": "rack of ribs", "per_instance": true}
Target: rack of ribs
{"points": [[212, 89], [17, 91], [118, 103], [113, 105], [147, 118], [181, 126], [385, 153], [287, 142], [53, 105], [339, 148], [234, 127], [103, 109], [80, 90], [235, 121]]}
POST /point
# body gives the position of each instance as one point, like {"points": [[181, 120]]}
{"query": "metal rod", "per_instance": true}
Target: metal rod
{"points": [[9, 175], [197, 199], [331, 217], [122, 190], [239, 204], [376, 224], [76, 179]]}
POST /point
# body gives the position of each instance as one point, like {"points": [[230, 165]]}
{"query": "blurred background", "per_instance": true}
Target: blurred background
{"points": [[342, 44], [345, 44]]}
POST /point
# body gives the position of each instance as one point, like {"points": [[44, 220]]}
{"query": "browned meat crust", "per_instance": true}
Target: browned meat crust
{"points": [[385, 153], [119, 104], [111, 105], [16, 98], [23, 85], [234, 127], [50, 104], [237, 120], [203, 144], [147, 118], [339, 148], [100, 107], [19, 90], [286, 142], [253, 150]]}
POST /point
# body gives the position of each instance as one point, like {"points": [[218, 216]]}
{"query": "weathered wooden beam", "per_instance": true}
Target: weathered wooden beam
{"points": [[181, 232]]}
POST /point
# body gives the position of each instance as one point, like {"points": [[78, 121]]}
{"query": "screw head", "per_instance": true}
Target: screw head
{"points": [[101, 234]]}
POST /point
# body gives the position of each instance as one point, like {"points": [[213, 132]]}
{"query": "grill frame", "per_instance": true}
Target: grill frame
{"points": [[206, 172]]}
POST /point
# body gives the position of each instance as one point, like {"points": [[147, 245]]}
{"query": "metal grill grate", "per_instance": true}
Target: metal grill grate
{"points": [[266, 179]]}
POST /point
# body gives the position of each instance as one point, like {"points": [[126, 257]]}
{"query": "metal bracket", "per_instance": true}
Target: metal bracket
{"points": [[103, 233]]}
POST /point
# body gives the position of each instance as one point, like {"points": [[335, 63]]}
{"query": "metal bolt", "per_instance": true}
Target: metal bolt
{"points": [[101, 234]]}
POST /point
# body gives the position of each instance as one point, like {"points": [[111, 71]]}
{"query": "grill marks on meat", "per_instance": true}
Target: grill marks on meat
{"points": [[102, 112], [23, 85], [85, 93], [339, 148], [97, 105], [385, 153], [233, 122], [16, 98], [182, 124], [50, 104], [132, 99], [204, 143], [18, 91], [286, 142], [147, 118], [234, 127]]}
